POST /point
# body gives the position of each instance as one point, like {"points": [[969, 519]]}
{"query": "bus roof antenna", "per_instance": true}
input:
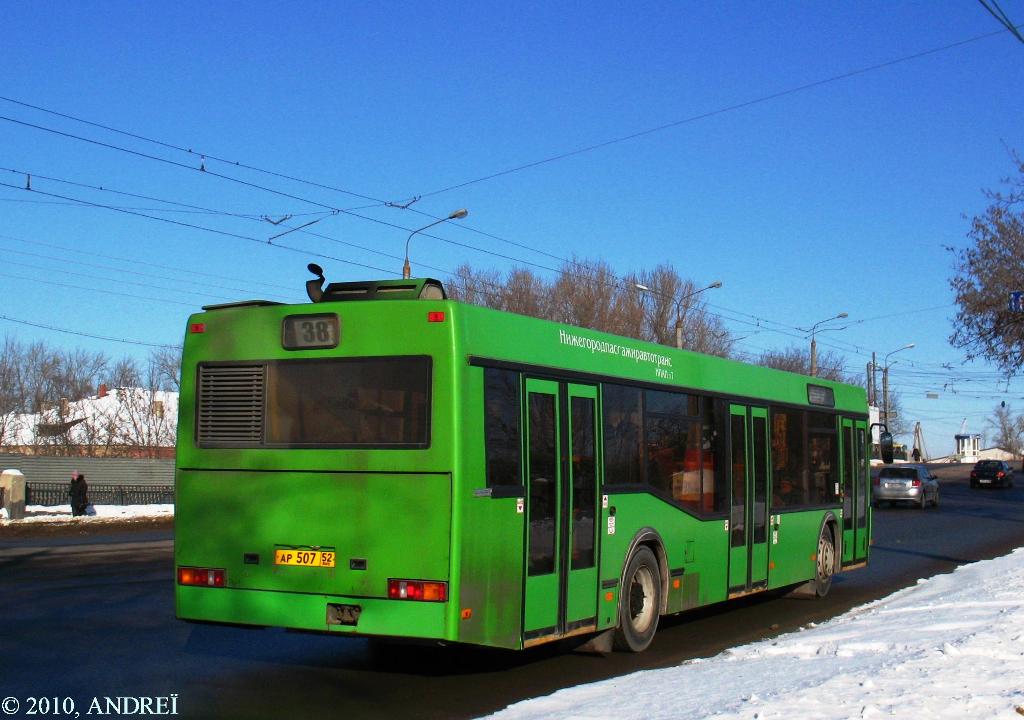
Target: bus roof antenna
{"points": [[315, 288]]}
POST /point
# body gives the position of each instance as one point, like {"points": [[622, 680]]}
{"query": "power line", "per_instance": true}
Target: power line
{"points": [[85, 334], [711, 113], [619, 284], [136, 297], [141, 262], [1002, 17], [204, 228], [203, 156], [107, 267]]}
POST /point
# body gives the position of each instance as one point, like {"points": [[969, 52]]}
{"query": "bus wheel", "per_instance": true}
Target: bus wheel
{"points": [[826, 562], [639, 602]]}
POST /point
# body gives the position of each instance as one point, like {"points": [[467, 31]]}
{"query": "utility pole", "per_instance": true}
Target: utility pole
{"points": [[885, 382], [874, 380], [814, 344], [870, 375], [885, 396]]}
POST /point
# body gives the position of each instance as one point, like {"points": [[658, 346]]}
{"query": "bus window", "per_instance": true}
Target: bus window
{"points": [[363, 402], [622, 450], [789, 484], [584, 482], [715, 494], [543, 483], [822, 458], [501, 427], [739, 480]]}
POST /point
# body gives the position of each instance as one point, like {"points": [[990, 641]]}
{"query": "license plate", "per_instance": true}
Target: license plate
{"points": [[893, 485], [304, 558], [985, 481]]}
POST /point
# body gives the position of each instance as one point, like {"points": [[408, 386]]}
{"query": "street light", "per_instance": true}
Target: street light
{"points": [[814, 344], [457, 215], [679, 306], [885, 382]]}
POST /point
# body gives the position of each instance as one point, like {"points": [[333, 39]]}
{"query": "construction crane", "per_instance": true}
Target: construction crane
{"points": [[919, 440]]}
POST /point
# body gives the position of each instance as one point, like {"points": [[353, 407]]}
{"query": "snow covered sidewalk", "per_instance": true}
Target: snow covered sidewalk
{"points": [[950, 647], [96, 513]]}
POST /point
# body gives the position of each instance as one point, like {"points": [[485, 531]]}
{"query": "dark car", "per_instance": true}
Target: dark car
{"points": [[905, 483], [991, 473]]}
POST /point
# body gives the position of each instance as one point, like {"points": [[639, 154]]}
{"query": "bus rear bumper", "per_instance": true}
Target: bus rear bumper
{"points": [[301, 611]]}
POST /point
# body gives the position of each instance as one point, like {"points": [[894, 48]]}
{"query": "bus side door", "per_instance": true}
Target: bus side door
{"points": [[749, 481], [561, 537]]}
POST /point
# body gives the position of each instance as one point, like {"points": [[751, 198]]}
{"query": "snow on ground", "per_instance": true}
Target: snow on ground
{"points": [[94, 513], [949, 647]]}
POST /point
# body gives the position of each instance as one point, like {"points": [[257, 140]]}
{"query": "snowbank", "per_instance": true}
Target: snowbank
{"points": [[95, 513], [950, 647]]}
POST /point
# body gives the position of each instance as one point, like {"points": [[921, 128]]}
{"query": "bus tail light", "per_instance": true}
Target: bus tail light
{"points": [[204, 577], [426, 590], [435, 316]]}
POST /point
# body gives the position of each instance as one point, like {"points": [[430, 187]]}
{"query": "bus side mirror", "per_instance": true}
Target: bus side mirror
{"points": [[885, 444]]}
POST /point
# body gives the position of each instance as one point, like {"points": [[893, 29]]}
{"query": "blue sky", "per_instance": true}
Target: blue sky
{"points": [[838, 197]]}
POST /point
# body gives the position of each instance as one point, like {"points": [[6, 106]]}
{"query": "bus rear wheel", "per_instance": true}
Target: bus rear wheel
{"points": [[639, 602], [825, 562]]}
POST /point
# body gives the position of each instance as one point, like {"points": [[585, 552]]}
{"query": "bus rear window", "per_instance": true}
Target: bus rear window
{"points": [[381, 402], [369, 402]]}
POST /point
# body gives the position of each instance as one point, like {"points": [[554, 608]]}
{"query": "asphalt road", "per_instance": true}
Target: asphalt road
{"points": [[86, 617]]}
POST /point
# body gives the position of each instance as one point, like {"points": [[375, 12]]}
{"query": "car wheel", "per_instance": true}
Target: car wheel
{"points": [[935, 503], [923, 502], [639, 602], [825, 565], [974, 485]]}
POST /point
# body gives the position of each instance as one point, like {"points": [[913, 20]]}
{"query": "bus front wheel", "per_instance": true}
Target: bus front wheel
{"points": [[639, 602]]}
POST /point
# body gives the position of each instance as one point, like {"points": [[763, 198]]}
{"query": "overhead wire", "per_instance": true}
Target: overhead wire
{"points": [[134, 261], [578, 151], [128, 271], [68, 331], [712, 113], [133, 296]]}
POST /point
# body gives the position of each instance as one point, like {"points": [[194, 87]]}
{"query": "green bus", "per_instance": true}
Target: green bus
{"points": [[386, 462]]}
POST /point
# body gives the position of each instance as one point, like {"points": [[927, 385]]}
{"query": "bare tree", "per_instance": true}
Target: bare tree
{"points": [[12, 396], [1007, 429], [125, 373], [985, 325], [166, 365], [798, 360], [476, 287], [587, 293], [524, 292]]}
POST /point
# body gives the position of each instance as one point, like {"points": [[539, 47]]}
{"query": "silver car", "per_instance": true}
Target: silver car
{"points": [[909, 483]]}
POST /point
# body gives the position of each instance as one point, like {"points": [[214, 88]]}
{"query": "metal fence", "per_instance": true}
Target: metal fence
{"points": [[50, 493]]}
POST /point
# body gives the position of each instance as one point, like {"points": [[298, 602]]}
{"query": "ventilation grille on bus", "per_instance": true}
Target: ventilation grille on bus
{"points": [[230, 405]]}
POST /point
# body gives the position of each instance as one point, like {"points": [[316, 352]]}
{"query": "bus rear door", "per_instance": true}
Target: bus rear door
{"points": [[561, 469]]}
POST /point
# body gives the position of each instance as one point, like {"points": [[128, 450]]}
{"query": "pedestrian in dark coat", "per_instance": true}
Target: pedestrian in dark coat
{"points": [[78, 490]]}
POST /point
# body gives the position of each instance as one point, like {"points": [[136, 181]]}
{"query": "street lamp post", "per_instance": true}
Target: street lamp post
{"points": [[679, 306], [457, 215], [814, 344], [885, 382]]}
